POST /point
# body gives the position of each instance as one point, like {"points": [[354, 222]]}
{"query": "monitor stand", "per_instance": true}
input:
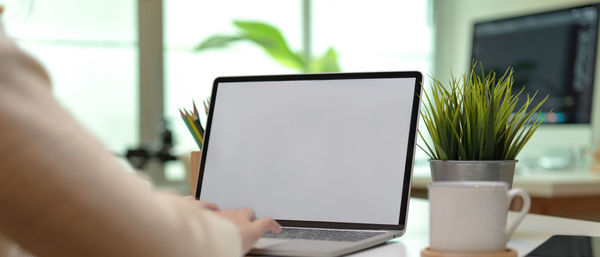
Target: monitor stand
{"points": [[560, 147]]}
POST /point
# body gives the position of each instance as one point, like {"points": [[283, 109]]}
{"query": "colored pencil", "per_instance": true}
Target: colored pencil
{"points": [[196, 131], [192, 121], [189, 127], [206, 106], [198, 124], [195, 109], [196, 118]]}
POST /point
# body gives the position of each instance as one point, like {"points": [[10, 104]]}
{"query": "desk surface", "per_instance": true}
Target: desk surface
{"points": [[534, 230], [539, 183]]}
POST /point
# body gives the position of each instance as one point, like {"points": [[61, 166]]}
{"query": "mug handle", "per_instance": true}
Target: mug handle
{"points": [[524, 210]]}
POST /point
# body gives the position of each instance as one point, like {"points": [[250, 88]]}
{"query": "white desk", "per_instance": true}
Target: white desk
{"points": [[534, 230]]}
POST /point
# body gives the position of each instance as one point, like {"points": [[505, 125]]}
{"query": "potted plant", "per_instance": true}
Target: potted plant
{"points": [[477, 126]]}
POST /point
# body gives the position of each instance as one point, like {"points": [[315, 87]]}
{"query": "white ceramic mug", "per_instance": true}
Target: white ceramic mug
{"points": [[470, 216]]}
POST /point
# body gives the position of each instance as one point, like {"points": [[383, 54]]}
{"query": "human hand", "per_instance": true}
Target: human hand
{"points": [[206, 205], [251, 228]]}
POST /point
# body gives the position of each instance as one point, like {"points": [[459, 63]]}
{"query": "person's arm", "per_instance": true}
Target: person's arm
{"points": [[62, 194]]}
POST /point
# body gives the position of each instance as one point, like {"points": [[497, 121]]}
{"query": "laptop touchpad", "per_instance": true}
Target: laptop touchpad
{"points": [[269, 242]]}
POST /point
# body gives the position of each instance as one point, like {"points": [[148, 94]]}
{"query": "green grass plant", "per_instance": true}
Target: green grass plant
{"points": [[476, 117]]}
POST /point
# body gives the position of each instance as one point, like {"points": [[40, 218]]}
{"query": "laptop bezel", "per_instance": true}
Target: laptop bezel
{"points": [[332, 76]]}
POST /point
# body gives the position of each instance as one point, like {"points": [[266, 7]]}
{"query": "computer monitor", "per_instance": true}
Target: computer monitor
{"points": [[552, 53]]}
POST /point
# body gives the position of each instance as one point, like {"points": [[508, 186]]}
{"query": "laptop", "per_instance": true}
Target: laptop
{"points": [[329, 156]]}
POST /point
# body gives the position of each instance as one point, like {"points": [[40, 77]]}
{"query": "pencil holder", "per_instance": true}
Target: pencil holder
{"points": [[193, 172]]}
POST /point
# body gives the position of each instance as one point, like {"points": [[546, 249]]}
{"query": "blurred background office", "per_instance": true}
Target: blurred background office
{"points": [[91, 51], [124, 67]]}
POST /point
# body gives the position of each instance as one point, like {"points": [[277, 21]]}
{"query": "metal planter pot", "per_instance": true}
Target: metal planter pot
{"points": [[473, 171]]}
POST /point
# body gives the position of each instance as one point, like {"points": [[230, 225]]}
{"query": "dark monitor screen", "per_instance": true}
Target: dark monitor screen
{"points": [[552, 53]]}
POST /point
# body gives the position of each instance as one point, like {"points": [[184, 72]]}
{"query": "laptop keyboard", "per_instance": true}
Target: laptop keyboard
{"points": [[323, 234]]}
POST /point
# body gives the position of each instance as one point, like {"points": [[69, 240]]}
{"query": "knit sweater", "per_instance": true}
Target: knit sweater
{"points": [[63, 194]]}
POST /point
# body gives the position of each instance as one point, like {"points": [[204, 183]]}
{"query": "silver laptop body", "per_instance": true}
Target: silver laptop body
{"points": [[329, 156]]}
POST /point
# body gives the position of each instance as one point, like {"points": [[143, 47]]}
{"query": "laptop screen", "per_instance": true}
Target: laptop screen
{"points": [[310, 149]]}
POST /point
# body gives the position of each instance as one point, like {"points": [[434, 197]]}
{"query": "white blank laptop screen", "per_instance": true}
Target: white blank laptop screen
{"points": [[311, 150]]}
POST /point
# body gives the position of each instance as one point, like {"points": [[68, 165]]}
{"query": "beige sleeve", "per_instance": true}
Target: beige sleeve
{"points": [[62, 194]]}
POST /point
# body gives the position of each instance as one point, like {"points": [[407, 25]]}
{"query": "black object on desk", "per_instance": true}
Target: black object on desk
{"points": [[568, 246], [159, 150]]}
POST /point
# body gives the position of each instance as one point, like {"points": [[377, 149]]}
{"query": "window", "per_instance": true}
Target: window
{"points": [[189, 75], [376, 36], [380, 35], [89, 50]]}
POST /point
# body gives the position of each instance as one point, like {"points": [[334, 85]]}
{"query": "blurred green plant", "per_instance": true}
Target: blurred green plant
{"points": [[271, 41], [476, 118]]}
